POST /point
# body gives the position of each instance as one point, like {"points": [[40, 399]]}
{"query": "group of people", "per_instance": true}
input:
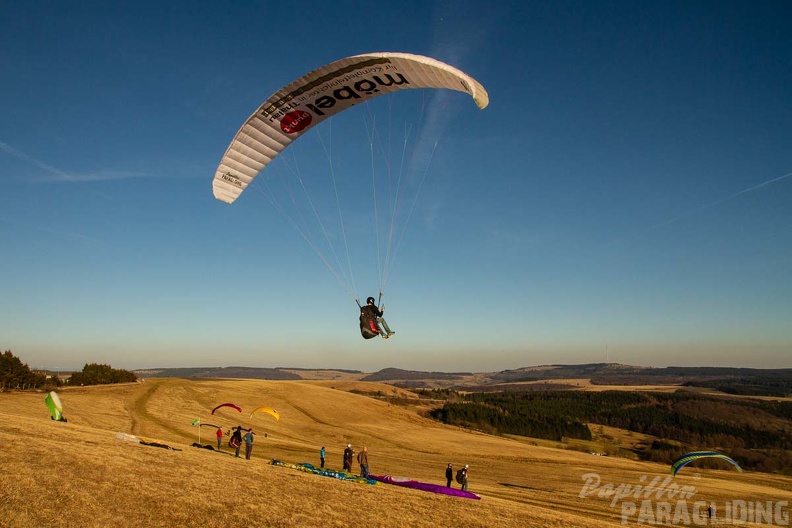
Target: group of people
{"points": [[237, 439], [461, 476], [349, 456], [362, 458]]}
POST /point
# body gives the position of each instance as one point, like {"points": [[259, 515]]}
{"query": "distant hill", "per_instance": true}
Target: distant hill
{"points": [[401, 375], [219, 372], [278, 373], [740, 381]]}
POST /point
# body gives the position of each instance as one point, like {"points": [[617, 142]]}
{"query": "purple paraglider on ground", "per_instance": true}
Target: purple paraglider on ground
{"points": [[424, 486]]}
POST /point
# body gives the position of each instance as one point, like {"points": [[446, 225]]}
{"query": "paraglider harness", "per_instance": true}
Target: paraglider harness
{"points": [[369, 326], [460, 476], [236, 438]]}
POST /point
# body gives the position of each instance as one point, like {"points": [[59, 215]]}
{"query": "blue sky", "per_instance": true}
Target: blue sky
{"points": [[626, 195]]}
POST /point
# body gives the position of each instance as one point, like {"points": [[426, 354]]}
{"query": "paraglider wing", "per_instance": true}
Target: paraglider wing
{"points": [[54, 405], [320, 94], [268, 410], [209, 425], [424, 486], [238, 408], [687, 458]]}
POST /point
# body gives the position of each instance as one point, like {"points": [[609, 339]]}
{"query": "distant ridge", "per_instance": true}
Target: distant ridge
{"points": [[399, 374], [776, 382], [219, 372]]}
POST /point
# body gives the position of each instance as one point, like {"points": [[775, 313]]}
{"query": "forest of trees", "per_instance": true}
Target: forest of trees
{"points": [[774, 386], [493, 414], [756, 433]]}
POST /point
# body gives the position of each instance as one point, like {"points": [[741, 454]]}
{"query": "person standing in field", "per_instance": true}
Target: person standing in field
{"points": [[362, 459], [322, 457], [236, 440], [449, 475], [219, 437], [248, 438], [464, 478], [349, 454]]}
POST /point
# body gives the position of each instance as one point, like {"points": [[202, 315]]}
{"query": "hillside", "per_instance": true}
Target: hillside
{"points": [[77, 474]]}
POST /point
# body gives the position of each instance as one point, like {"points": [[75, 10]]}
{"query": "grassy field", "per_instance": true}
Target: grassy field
{"points": [[77, 474]]}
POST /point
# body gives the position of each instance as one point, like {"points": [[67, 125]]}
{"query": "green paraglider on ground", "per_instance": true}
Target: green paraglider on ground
{"points": [[55, 407]]}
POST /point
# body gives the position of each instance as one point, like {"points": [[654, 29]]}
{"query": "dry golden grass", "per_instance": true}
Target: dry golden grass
{"points": [[77, 474]]}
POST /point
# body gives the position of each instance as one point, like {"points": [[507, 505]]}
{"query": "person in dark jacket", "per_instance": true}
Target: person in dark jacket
{"points": [[349, 455], [372, 322], [465, 478], [236, 439], [449, 475]]}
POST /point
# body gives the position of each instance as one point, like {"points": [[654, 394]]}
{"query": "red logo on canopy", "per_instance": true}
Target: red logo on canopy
{"points": [[296, 121]]}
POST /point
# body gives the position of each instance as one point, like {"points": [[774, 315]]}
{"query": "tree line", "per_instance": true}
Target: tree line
{"points": [[778, 386], [15, 375], [96, 374], [498, 415]]}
